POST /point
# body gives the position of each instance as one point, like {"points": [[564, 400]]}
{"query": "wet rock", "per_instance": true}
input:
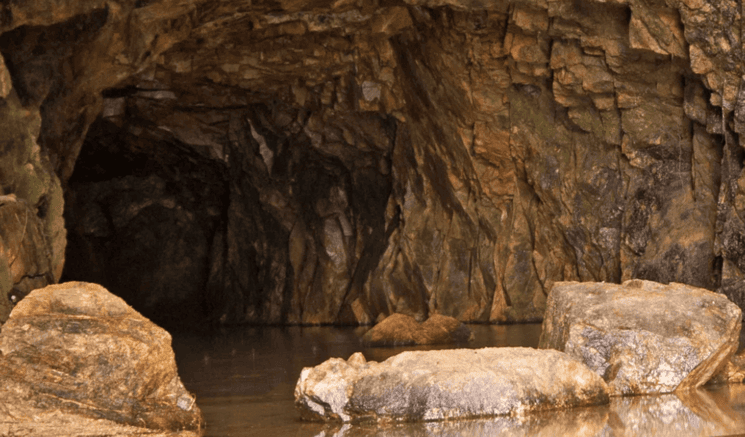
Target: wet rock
{"points": [[78, 358], [642, 336], [446, 384], [402, 330]]}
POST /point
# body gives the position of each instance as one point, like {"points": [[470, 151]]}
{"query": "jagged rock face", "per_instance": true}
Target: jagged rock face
{"points": [[335, 162]]}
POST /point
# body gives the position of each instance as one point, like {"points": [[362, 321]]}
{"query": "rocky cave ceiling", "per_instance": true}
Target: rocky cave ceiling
{"points": [[241, 161]]}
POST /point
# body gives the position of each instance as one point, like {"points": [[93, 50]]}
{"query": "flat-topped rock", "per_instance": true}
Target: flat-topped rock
{"points": [[642, 336], [446, 384], [403, 330], [79, 359]]}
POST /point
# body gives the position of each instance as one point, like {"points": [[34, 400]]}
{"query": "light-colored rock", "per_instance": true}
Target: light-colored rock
{"points": [[446, 384], [78, 360], [401, 330], [642, 336]]}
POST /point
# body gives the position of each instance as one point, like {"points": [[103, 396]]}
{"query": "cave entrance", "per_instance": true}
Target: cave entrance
{"points": [[203, 204]]}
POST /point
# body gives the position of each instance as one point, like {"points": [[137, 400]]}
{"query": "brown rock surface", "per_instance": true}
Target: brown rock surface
{"points": [[402, 330], [79, 359], [643, 337], [329, 162]]}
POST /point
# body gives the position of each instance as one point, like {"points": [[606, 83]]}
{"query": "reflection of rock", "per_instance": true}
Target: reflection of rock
{"points": [[77, 358], [446, 384], [685, 413], [400, 330], [643, 337], [576, 422]]}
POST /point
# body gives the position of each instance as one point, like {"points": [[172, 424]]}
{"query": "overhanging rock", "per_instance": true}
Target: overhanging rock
{"points": [[642, 336], [446, 384]]}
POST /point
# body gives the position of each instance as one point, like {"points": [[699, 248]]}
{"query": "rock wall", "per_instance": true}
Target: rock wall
{"points": [[336, 162]]}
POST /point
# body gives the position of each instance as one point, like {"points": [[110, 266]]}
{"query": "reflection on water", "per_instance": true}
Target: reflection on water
{"points": [[244, 382]]}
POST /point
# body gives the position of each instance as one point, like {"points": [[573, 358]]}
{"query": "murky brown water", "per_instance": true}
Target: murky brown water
{"points": [[244, 381]]}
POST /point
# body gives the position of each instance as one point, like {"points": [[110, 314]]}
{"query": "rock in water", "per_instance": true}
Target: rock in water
{"points": [[446, 384], [642, 336], [79, 359], [403, 330]]}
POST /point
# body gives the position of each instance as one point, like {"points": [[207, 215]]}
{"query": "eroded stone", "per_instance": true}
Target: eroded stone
{"points": [[78, 358], [446, 384], [642, 336]]}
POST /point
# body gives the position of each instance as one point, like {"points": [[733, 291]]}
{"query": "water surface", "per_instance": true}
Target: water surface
{"points": [[244, 381]]}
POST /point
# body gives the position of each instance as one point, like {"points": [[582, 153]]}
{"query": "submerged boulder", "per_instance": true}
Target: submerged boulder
{"points": [[642, 336], [75, 357], [403, 330], [446, 384]]}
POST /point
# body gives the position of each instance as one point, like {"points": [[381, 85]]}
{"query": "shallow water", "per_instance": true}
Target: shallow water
{"points": [[244, 381]]}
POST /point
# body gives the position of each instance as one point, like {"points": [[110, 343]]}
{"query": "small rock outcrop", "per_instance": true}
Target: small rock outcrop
{"points": [[642, 336], [403, 330], [446, 384], [77, 358]]}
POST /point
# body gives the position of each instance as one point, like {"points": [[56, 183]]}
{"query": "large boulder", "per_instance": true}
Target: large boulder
{"points": [[642, 336], [78, 358], [403, 330], [446, 384]]}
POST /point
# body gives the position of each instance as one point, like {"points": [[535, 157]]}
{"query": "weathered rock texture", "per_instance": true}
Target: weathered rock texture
{"points": [[77, 360], [446, 384], [335, 161], [401, 330], [643, 337]]}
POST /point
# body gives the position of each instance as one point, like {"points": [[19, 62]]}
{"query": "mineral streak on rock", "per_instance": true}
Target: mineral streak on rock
{"points": [[402, 330], [642, 336], [332, 162], [446, 384], [77, 360]]}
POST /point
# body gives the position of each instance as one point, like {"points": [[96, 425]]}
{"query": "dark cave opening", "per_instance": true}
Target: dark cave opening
{"points": [[253, 225]]}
